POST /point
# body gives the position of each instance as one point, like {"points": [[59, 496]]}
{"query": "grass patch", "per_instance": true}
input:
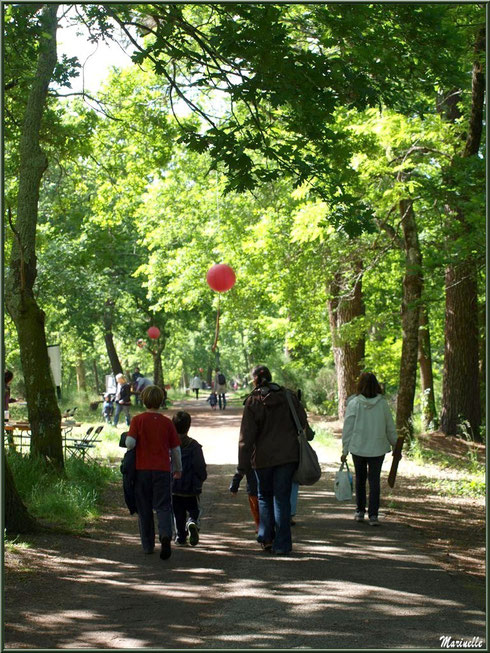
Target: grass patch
{"points": [[473, 488], [423, 455], [326, 438], [69, 501]]}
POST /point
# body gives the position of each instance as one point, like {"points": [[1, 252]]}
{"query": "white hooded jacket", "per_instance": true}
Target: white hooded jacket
{"points": [[369, 429]]}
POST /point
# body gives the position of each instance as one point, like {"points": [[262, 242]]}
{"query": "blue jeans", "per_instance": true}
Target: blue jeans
{"points": [[117, 412], [294, 497], [152, 492], [222, 397], [274, 491], [368, 469]]}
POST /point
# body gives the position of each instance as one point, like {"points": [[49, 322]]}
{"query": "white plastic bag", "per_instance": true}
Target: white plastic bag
{"points": [[343, 483]]}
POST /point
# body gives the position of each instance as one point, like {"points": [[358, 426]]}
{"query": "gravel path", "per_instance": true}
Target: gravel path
{"points": [[346, 585]]}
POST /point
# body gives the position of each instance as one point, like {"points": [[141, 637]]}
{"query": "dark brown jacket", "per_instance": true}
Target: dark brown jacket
{"points": [[268, 435]]}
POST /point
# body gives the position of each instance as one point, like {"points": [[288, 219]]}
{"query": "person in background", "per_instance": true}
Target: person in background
{"points": [[7, 399], [368, 434], [108, 407], [122, 399], [253, 499], [134, 381], [213, 400], [157, 443], [196, 385], [187, 489], [268, 442], [220, 388]]}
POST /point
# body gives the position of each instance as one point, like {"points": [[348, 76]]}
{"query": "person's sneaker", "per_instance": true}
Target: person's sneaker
{"points": [[166, 551], [266, 547], [373, 521], [193, 533], [359, 516], [180, 542]]}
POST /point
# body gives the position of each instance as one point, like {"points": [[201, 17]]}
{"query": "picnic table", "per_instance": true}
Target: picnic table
{"points": [[18, 433]]}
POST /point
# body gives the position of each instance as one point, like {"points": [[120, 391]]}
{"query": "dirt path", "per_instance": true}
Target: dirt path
{"points": [[346, 586]]}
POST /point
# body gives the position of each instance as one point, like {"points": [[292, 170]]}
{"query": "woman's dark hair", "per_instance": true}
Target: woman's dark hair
{"points": [[9, 375], [152, 397], [182, 422], [368, 385], [262, 374]]}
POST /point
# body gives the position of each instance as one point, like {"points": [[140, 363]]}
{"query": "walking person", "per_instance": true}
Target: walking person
{"points": [[122, 399], [187, 489], [269, 443], [196, 385], [368, 434], [134, 382], [156, 441], [220, 388]]}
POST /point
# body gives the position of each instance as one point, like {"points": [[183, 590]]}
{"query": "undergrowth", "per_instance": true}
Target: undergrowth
{"points": [[69, 501]]}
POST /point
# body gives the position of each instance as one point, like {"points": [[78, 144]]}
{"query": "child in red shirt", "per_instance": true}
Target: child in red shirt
{"points": [[156, 440]]}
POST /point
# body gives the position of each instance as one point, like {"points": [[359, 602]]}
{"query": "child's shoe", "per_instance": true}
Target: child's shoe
{"points": [[193, 533], [166, 551]]}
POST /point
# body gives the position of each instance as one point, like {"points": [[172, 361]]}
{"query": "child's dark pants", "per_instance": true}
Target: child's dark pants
{"points": [[152, 492], [182, 506]]}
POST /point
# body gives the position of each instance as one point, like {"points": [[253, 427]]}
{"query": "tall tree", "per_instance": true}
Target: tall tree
{"points": [[461, 408], [29, 319]]}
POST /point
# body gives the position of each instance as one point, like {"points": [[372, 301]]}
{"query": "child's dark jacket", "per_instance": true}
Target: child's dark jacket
{"points": [[193, 470]]}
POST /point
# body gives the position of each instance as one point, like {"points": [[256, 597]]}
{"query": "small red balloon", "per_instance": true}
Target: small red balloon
{"points": [[154, 332], [220, 277]]}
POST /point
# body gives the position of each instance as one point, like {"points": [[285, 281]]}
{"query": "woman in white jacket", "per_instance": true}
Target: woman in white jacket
{"points": [[368, 434]]}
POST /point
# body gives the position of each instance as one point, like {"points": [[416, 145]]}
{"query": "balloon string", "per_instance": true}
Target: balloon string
{"points": [[216, 333]]}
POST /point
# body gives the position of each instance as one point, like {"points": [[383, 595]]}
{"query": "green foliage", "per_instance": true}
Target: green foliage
{"points": [[70, 501]]}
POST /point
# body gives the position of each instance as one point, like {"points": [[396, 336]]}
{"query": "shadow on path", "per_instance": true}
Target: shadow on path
{"points": [[346, 585]]}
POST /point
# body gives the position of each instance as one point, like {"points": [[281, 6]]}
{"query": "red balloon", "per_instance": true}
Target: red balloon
{"points": [[154, 332], [220, 277]]}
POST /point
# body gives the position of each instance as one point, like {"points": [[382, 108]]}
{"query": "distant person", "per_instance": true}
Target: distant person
{"points": [[108, 407], [134, 381], [220, 388], [156, 442], [269, 443], [7, 399], [122, 399], [196, 385], [187, 489], [368, 434], [141, 383], [253, 499], [213, 400]]}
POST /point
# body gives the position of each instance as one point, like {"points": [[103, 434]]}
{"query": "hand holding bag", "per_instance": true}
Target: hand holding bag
{"points": [[343, 483], [309, 470]]}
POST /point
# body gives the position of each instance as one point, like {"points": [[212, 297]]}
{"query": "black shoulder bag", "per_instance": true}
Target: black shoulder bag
{"points": [[309, 470]]}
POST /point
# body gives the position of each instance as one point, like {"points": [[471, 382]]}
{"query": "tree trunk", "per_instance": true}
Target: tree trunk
{"points": [[346, 304], [461, 408], [42, 406], [17, 518], [410, 318], [96, 376], [429, 413], [461, 411], [109, 339], [81, 376]]}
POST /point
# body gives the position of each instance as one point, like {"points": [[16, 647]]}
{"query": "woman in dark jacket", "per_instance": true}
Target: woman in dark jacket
{"points": [[269, 443]]}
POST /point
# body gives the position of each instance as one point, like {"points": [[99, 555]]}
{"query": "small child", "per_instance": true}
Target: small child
{"points": [[186, 490], [252, 492], [108, 408], [213, 400]]}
